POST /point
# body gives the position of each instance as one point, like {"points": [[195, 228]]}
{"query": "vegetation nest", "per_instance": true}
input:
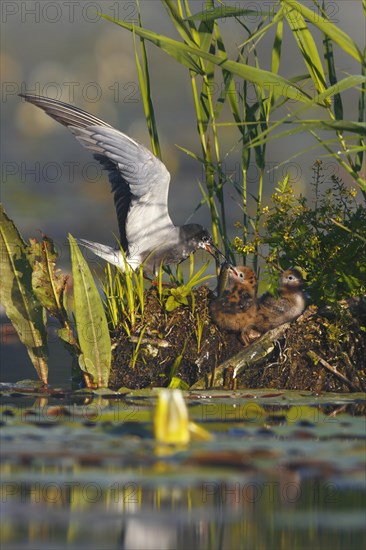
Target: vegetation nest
{"points": [[171, 349]]}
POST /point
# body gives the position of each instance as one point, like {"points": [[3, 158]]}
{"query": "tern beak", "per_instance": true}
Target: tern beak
{"points": [[214, 251]]}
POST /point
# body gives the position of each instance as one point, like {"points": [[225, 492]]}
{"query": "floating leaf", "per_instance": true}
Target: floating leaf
{"points": [[17, 295], [91, 322]]}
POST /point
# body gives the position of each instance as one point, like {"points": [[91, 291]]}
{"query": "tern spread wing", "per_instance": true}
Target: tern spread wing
{"points": [[140, 181]]}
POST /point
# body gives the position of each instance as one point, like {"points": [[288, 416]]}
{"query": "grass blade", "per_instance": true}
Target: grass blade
{"points": [[338, 36], [361, 117], [144, 79], [189, 56], [178, 22], [277, 46], [223, 12], [329, 59], [345, 84], [307, 47]]}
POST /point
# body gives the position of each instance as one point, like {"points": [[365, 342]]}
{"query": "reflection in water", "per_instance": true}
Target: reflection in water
{"points": [[282, 471], [74, 508]]}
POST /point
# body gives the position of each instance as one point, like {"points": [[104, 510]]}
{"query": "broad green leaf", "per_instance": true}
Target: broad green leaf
{"points": [[91, 322], [327, 27], [47, 281], [49, 285], [18, 298], [189, 56]]}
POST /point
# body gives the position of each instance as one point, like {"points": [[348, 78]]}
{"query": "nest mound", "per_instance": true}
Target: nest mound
{"points": [[184, 340], [186, 343], [324, 350]]}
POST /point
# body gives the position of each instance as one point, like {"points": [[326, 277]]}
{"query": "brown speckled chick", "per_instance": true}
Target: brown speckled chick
{"points": [[236, 309], [273, 311]]}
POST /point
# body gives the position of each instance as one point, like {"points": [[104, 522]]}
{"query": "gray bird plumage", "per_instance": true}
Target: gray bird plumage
{"points": [[140, 184]]}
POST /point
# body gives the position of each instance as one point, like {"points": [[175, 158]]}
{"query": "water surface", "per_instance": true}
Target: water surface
{"points": [[284, 470]]}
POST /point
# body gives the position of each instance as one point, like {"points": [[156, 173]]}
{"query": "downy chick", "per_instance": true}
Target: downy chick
{"points": [[235, 310], [273, 311]]}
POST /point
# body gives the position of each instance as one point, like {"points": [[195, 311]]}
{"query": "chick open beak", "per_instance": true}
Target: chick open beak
{"points": [[232, 269]]}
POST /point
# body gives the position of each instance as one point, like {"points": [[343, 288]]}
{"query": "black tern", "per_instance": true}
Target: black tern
{"points": [[140, 183]]}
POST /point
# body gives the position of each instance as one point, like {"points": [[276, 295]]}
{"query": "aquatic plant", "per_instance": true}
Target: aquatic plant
{"points": [[323, 234], [17, 295], [124, 297], [91, 322], [32, 287], [171, 421], [179, 295], [202, 51]]}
